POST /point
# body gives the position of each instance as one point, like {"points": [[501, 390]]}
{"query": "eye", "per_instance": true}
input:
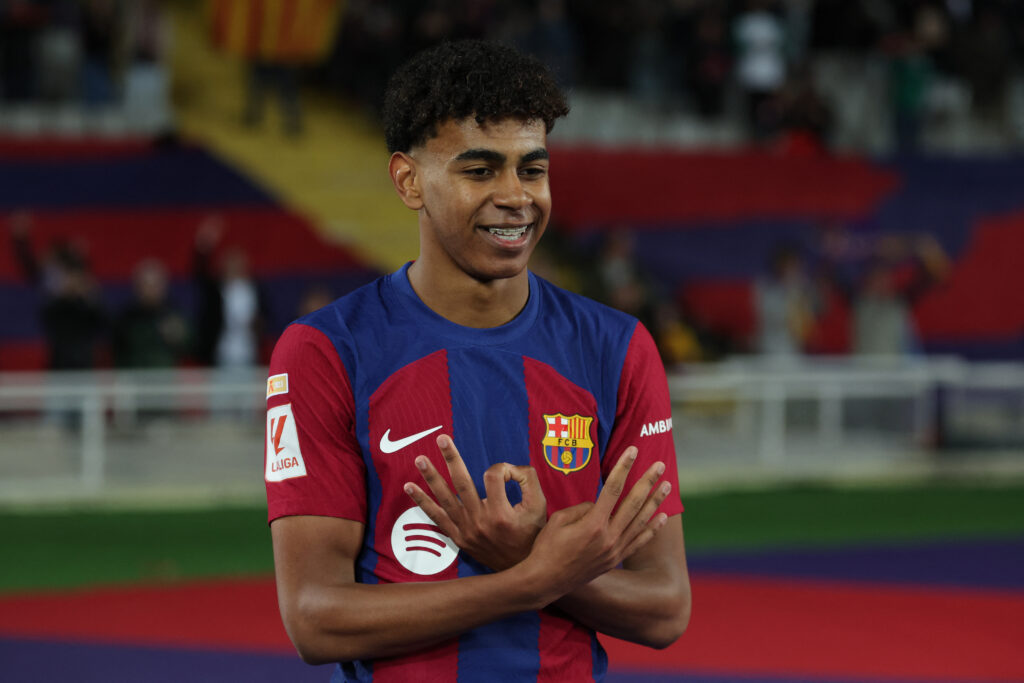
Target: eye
{"points": [[533, 172], [478, 172]]}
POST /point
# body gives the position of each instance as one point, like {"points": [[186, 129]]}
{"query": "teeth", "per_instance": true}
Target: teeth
{"points": [[508, 233]]}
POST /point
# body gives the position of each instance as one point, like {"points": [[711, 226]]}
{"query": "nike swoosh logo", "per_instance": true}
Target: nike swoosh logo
{"points": [[389, 446]]}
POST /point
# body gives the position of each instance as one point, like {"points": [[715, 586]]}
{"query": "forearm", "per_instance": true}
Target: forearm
{"points": [[643, 602], [368, 621]]}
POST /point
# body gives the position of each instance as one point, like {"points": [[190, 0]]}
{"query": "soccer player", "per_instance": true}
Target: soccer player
{"points": [[405, 557]]}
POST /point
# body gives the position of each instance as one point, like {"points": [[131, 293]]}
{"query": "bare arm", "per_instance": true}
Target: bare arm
{"points": [[329, 617], [646, 601]]}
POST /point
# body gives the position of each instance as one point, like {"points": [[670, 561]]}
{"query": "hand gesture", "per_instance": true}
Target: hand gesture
{"points": [[492, 530], [580, 543]]}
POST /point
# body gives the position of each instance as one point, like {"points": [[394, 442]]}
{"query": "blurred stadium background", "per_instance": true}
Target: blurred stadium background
{"points": [[815, 205]]}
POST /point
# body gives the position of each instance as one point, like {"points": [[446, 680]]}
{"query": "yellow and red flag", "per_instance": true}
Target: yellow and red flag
{"points": [[290, 31]]}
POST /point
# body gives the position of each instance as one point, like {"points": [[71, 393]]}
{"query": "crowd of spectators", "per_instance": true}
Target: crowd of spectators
{"points": [[93, 53], [690, 55], [748, 60], [224, 327]]}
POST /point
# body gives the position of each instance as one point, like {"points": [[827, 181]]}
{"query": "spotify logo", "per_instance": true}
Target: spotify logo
{"points": [[419, 545]]}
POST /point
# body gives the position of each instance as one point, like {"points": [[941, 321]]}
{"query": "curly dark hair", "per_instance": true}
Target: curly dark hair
{"points": [[455, 80]]}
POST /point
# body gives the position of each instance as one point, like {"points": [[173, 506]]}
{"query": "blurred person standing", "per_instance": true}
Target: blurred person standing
{"points": [[276, 38], [150, 332], [230, 319], [785, 304], [101, 31], [760, 39], [898, 271], [707, 58], [21, 22], [72, 315], [146, 81], [899, 274]]}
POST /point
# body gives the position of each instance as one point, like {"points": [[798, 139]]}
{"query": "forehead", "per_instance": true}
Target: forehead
{"points": [[512, 137]]}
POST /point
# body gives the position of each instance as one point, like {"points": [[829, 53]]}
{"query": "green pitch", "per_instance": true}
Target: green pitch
{"points": [[68, 548]]}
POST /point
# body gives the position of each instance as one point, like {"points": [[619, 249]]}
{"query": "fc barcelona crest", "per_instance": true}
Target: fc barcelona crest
{"points": [[567, 444]]}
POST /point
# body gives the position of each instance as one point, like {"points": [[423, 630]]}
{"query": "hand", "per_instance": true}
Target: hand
{"points": [[580, 543], [492, 530]]}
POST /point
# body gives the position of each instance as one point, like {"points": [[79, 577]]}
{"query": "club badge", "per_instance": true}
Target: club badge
{"points": [[567, 444]]}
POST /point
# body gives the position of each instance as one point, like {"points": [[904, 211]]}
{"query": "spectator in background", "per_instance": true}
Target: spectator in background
{"points": [[985, 58], [20, 24], [72, 315], [913, 53], [804, 117], [678, 340], [231, 309], [150, 332], [883, 322], [786, 304], [617, 278], [760, 63], [101, 30], [900, 270], [280, 79], [708, 60], [547, 34], [146, 82]]}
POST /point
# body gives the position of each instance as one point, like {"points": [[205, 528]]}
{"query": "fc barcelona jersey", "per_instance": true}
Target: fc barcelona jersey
{"points": [[362, 387]]}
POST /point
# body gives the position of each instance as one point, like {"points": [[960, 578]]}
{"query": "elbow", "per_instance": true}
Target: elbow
{"points": [[304, 635], [672, 621], [313, 641]]}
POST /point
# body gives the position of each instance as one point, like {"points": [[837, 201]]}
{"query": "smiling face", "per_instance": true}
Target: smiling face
{"points": [[482, 194]]}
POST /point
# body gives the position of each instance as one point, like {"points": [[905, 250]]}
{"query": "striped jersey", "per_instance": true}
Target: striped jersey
{"points": [[361, 387]]}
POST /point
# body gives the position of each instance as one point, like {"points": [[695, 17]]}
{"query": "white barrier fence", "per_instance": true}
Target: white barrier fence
{"points": [[200, 433]]}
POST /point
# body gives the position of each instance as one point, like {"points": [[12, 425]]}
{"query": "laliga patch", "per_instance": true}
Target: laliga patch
{"points": [[284, 458], [419, 545], [277, 384], [567, 444]]}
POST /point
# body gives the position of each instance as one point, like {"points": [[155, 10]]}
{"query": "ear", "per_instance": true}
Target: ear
{"points": [[402, 169]]}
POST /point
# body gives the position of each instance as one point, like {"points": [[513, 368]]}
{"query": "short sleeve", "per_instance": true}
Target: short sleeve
{"points": [[643, 417], [312, 461]]}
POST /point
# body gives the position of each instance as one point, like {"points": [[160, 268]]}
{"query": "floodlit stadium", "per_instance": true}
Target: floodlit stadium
{"points": [[814, 207]]}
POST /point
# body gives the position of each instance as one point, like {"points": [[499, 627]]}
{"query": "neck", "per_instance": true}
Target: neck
{"points": [[469, 302]]}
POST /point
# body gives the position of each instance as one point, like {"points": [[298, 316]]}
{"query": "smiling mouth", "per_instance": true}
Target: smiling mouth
{"points": [[508, 233]]}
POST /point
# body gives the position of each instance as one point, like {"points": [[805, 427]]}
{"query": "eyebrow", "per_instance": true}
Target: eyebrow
{"points": [[498, 157]]}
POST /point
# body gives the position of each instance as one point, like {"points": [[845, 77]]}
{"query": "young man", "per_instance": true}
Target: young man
{"points": [[405, 558]]}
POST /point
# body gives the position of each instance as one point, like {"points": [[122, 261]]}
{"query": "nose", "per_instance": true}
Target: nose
{"points": [[510, 193]]}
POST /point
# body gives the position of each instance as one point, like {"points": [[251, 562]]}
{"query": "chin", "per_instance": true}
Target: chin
{"points": [[499, 270]]}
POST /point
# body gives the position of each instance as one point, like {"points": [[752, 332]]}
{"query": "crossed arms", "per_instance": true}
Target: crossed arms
{"points": [[612, 565]]}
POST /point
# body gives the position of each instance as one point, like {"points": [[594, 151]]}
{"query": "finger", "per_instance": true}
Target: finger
{"points": [[637, 496], [431, 509], [645, 536], [462, 482], [529, 484], [494, 485], [646, 513], [616, 482], [439, 487]]}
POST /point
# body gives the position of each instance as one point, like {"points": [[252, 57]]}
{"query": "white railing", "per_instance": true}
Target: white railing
{"points": [[830, 416], [85, 433], [201, 432]]}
